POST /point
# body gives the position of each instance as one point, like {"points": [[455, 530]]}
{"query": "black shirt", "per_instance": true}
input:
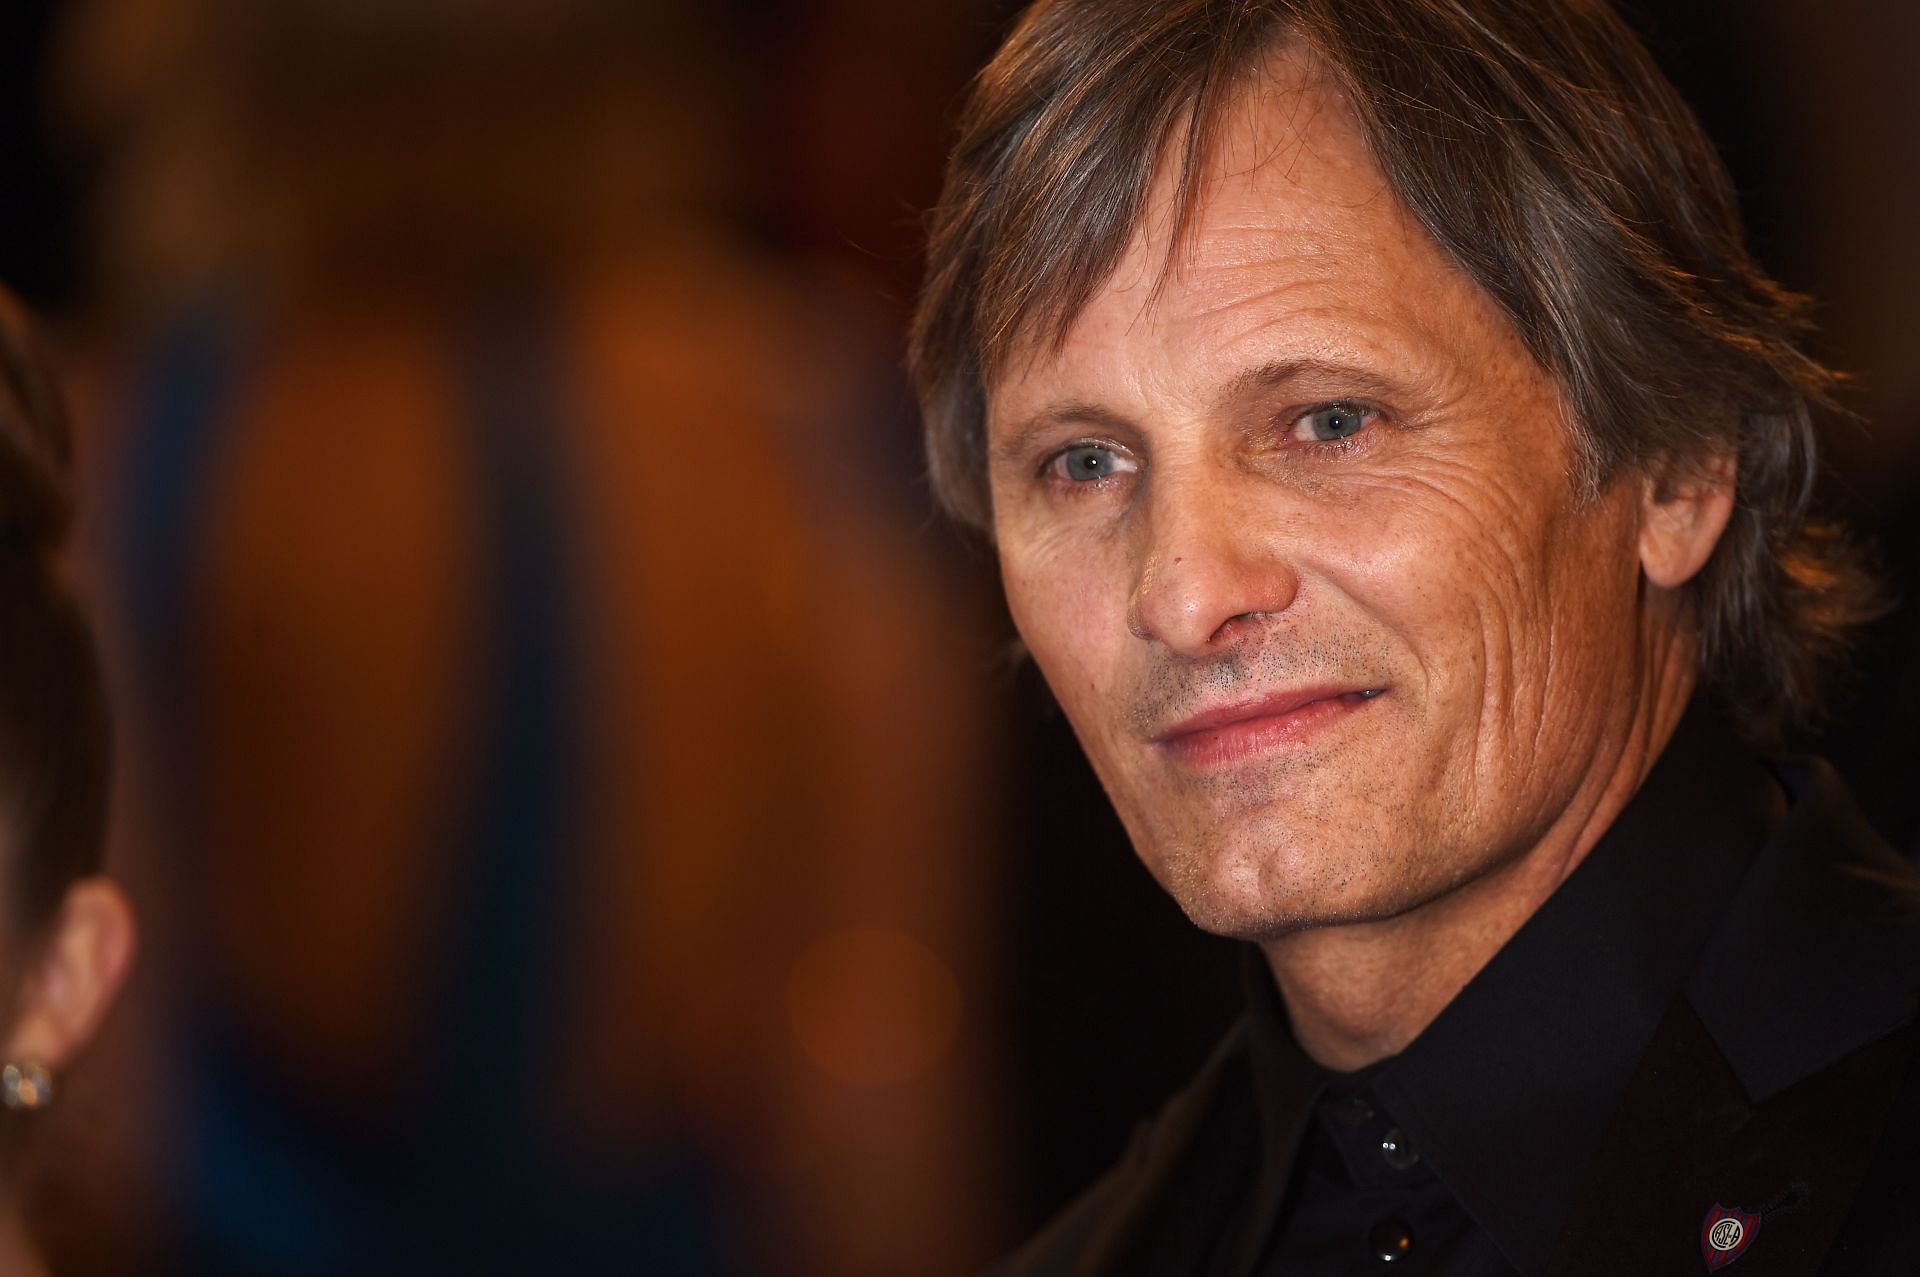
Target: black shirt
{"points": [[1462, 1154]]}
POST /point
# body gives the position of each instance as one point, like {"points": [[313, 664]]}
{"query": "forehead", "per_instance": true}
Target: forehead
{"points": [[1295, 235]]}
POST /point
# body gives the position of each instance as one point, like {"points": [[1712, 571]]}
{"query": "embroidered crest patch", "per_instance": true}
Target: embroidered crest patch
{"points": [[1725, 1234]]}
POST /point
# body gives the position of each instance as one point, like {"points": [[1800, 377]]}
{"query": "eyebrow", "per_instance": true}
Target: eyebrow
{"points": [[1257, 380], [1011, 448], [1246, 384]]}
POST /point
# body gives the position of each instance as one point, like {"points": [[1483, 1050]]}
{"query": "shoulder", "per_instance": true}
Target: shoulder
{"points": [[1818, 954], [1785, 1083], [1846, 955]]}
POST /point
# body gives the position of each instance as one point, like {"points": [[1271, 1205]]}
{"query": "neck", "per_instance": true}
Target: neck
{"points": [[1361, 992]]}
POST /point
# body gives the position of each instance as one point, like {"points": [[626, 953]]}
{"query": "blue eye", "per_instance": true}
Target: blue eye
{"points": [[1333, 422], [1087, 462]]}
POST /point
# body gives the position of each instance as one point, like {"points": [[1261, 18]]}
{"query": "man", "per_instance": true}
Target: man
{"points": [[1399, 471]]}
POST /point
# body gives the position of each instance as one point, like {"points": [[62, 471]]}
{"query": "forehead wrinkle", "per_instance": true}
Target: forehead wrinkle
{"points": [[1170, 217], [1234, 246], [1232, 242], [1345, 328], [1360, 349]]}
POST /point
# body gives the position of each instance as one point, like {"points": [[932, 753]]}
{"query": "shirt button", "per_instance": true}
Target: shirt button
{"points": [[1390, 1239], [1393, 1148]]}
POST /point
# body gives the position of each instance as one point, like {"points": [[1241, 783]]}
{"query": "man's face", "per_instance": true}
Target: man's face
{"points": [[1294, 542]]}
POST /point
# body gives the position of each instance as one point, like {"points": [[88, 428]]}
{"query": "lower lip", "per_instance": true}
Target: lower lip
{"points": [[1250, 736]]}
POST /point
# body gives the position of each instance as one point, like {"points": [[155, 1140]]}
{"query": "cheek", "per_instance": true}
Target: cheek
{"points": [[1437, 562], [1495, 593], [1069, 604]]}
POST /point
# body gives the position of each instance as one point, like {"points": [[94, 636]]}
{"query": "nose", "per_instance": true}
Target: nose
{"points": [[1208, 562]]}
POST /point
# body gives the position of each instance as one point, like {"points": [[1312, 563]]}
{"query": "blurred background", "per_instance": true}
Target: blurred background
{"points": [[582, 803]]}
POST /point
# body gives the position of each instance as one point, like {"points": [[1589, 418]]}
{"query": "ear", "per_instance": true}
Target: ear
{"points": [[70, 982], [1682, 514]]}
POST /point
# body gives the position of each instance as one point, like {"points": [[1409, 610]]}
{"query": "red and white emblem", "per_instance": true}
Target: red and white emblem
{"points": [[1725, 1235]]}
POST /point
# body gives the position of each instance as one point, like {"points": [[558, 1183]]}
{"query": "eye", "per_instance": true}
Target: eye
{"points": [[1089, 462], [1332, 422]]}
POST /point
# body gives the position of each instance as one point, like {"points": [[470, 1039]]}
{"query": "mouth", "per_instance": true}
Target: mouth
{"points": [[1231, 732]]}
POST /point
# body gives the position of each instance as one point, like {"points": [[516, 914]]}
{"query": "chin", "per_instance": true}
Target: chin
{"points": [[1265, 887]]}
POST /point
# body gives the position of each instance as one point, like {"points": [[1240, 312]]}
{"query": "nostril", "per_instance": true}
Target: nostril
{"points": [[1196, 603]]}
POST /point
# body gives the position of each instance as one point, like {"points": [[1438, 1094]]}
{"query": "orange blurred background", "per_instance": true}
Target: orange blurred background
{"points": [[582, 804]]}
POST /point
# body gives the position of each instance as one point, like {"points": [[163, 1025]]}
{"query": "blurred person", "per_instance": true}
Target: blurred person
{"points": [[68, 930], [551, 722], [1400, 471]]}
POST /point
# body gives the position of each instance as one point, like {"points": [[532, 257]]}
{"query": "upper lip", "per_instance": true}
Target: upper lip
{"points": [[1272, 705]]}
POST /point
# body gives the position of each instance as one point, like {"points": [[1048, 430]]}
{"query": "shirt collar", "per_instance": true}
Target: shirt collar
{"points": [[1506, 1094], [1286, 1083]]}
